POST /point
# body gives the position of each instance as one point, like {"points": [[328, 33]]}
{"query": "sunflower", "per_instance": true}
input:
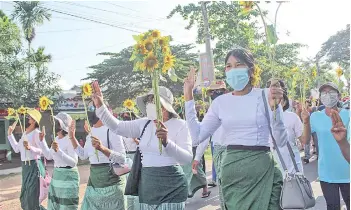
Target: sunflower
{"points": [[166, 50], [22, 110], [247, 5], [314, 73], [44, 103], [140, 48], [156, 34], [11, 111], [87, 90], [140, 66], [163, 41], [339, 72], [150, 62], [149, 44], [182, 98], [294, 70], [129, 104], [169, 60]]}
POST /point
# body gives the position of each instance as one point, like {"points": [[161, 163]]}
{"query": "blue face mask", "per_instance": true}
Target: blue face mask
{"points": [[237, 78]]}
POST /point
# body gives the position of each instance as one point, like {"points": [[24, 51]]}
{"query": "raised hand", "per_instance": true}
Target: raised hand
{"points": [[305, 116], [11, 128], [72, 130], [189, 83], [42, 134], [338, 129], [275, 94], [55, 146], [97, 95], [86, 127]]}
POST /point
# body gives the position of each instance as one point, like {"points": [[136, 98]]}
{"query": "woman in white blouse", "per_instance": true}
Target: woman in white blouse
{"points": [[105, 189], [64, 186], [30, 151], [163, 184], [250, 179]]}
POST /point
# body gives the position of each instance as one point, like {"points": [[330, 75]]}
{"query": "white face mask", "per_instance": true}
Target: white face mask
{"points": [[151, 111], [329, 99]]}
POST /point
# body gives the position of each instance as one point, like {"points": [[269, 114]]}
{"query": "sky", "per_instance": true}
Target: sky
{"points": [[74, 43]]}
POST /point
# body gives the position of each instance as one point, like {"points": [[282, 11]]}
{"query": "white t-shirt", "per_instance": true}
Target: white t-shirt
{"points": [[177, 151], [33, 141], [129, 144], [242, 119], [294, 128], [65, 156], [116, 144]]}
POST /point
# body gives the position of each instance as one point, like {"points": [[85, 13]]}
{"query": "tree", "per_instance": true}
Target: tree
{"points": [[337, 50], [15, 87], [119, 82], [39, 60], [30, 14], [230, 28]]}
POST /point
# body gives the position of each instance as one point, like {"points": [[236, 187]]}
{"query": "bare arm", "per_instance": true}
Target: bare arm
{"points": [[345, 149]]}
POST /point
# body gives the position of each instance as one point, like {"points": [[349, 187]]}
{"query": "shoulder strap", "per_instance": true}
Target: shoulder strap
{"points": [[108, 138], [142, 132], [273, 139]]}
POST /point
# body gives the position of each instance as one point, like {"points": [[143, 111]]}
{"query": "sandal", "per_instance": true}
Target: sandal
{"points": [[205, 195]]}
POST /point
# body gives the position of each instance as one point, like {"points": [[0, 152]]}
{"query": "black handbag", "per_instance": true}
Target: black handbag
{"points": [[132, 185]]}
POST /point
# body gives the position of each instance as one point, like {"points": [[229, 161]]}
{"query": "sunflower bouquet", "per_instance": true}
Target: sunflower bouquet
{"points": [[87, 91], [14, 114], [152, 55]]}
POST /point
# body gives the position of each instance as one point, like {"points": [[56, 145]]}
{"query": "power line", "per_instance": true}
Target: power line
{"points": [[104, 10], [96, 21]]}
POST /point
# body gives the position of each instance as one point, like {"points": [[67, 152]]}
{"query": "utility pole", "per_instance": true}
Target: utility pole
{"points": [[212, 76]]}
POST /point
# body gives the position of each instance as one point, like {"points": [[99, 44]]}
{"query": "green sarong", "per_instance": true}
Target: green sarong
{"points": [[163, 188], [30, 186], [195, 181], [132, 201], [64, 189], [218, 152], [250, 180], [105, 190]]}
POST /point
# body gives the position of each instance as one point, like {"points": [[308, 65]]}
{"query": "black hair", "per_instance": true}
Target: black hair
{"points": [[243, 56], [36, 125], [64, 132], [287, 104], [246, 57]]}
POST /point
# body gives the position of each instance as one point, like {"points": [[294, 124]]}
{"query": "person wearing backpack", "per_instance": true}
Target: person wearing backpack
{"points": [[162, 183], [64, 186]]}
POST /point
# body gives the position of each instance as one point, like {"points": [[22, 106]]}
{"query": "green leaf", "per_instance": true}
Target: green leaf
{"points": [[133, 57], [172, 75], [137, 38], [271, 34], [162, 78]]}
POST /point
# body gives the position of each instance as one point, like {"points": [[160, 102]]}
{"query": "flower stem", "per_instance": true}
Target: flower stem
{"points": [[155, 87], [53, 122], [86, 113]]}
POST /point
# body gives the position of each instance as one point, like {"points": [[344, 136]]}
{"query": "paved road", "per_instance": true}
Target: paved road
{"points": [[11, 186]]}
